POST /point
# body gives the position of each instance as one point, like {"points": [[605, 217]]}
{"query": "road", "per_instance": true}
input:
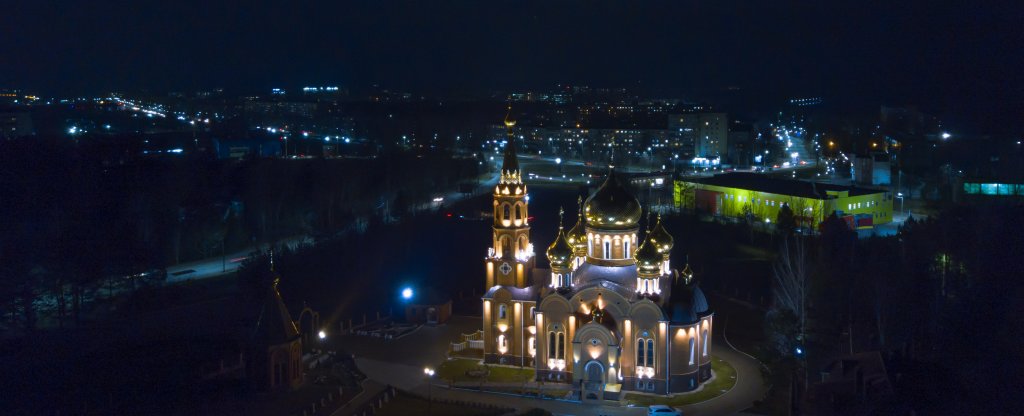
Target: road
{"points": [[216, 266]]}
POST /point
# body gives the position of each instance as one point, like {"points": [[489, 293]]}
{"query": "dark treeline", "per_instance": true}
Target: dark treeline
{"points": [[941, 300], [74, 216]]}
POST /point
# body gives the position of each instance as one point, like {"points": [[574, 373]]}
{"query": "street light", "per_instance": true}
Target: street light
{"points": [[429, 372], [322, 335], [407, 293], [899, 196]]}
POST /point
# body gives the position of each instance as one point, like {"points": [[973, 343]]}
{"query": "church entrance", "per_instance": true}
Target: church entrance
{"points": [[592, 387]]}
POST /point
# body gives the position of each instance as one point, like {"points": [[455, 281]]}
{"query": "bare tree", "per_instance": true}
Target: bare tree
{"points": [[790, 273]]}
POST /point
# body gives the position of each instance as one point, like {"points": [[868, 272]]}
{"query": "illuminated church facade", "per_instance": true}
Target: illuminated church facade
{"points": [[610, 315]]}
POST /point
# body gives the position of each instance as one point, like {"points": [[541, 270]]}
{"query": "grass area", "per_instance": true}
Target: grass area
{"points": [[725, 378], [409, 405], [458, 369]]}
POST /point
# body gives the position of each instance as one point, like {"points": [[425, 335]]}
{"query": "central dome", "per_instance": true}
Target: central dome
{"points": [[612, 207]]}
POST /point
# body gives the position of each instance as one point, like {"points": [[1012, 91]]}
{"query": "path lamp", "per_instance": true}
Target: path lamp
{"points": [[429, 372], [899, 196]]}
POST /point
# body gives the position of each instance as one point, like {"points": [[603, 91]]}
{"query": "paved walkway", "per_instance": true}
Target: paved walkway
{"points": [[404, 370]]}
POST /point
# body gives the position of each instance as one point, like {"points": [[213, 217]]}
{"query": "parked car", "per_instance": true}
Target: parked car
{"points": [[662, 410]]}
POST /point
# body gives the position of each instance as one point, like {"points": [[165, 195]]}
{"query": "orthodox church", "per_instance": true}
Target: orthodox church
{"points": [[610, 315]]}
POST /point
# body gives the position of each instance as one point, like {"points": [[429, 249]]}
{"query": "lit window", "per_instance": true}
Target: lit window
{"points": [[693, 349], [704, 339], [502, 311]]}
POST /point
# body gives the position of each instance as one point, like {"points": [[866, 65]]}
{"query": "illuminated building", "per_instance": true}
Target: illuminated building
{"points": [[741, 194], [610, 315], [700, 134]]}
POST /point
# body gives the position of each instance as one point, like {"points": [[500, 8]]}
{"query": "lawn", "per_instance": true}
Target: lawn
{"points": [[724, 379], [455, 370]]}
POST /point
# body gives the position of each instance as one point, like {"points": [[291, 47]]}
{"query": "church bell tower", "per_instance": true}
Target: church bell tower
{"points": [[510, 259]]}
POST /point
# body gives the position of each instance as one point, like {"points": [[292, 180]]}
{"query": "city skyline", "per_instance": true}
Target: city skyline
{"points": [[946, 59]]}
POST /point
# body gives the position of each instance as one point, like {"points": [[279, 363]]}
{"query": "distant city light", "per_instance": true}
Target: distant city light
{"points": [[946, 136]]}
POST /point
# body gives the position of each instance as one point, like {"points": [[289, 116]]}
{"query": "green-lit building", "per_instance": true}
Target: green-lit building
{"points": [[741, 194]]}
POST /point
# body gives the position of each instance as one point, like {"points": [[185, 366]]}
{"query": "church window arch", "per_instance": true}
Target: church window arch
{"points": [[625, 249], [556, 345], [704, 340], [519, 212], [506, 246], [607, 255], [506, 213], [693, 349], [502, 311], [502, 343], [650, 353], [641, 354]]}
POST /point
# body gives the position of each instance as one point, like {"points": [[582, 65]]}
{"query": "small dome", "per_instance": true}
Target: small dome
{"points": [[662, 239], [687, 302], [560, 252], [577, 236], [648, 260], [613, 206]]}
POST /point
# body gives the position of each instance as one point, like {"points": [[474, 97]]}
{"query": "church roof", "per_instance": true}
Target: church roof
{"points": [[621, 279], [525, 294], [510, 163], [274, 325]]}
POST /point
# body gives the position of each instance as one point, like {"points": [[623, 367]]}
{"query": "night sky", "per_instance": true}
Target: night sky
{"points": [[948, 57]]}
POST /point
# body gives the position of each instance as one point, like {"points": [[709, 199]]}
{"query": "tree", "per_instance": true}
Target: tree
{"points": [[785, 221]]}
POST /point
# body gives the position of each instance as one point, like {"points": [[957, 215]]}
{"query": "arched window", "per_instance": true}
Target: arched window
{"points": [[625, 248], [640, 355], [506, 216], [502, 311], [650, 353], [693, 349], [556, 345], [519, 212], [506, 246], [704, 339], [607, 249], [502, 344]]}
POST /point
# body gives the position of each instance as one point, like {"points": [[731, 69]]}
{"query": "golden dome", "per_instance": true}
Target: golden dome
{"points": [[613, 206], [577, 236], [648, 259], [662, 239], [560, 252]]}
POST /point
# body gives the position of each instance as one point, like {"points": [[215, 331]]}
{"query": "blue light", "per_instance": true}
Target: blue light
{"points": [[799, 351], [407, 293]]}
